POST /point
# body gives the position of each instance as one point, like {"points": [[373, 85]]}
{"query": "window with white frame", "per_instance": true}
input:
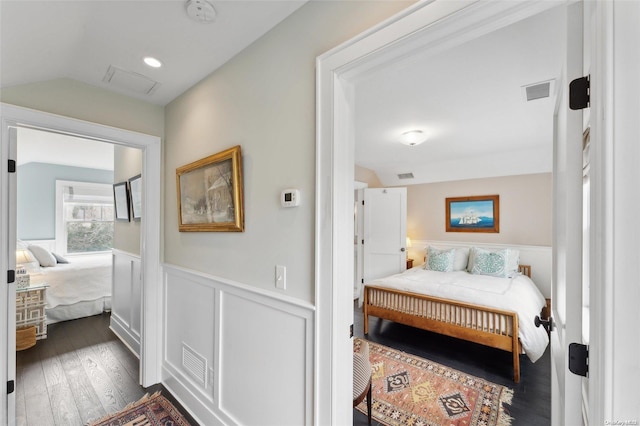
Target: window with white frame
{"points": [[84, 217]]}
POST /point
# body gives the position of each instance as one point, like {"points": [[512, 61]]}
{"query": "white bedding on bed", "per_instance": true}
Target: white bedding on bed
{"points": [[518, 294], [84, 278]]}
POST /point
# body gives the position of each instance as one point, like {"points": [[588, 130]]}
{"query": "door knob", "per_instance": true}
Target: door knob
{"points": [[402, 249]]}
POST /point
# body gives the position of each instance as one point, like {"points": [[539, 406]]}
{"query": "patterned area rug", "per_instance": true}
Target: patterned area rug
{"points": [[151, 410], [412, 391]]}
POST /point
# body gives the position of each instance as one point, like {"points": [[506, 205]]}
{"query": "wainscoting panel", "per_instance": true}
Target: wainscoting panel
{"points": [[126, 293], [235, 354]]}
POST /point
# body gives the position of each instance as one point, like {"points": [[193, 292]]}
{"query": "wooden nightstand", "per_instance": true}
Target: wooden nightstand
{"points": [[409, 263], [30, 304]]}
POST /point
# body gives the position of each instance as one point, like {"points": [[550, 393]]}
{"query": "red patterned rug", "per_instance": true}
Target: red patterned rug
{"points": [[154, 410], [412, 391]]}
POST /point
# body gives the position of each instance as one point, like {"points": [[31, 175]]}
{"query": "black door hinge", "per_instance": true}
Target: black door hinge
{"points": [[11, 387], [362, 280], [351, 331], [580, 93], [12, 166], [579, 359], [11, 276]]}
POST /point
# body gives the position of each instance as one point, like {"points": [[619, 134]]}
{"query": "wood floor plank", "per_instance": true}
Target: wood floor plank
{"points": [[87, 402], [60, 394], [105, 389], [21, 409], [37, 405]]}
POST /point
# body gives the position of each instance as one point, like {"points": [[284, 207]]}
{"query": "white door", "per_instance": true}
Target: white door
{"points": [[566, 298], [10, 301], [385, 232], [358, 238]]}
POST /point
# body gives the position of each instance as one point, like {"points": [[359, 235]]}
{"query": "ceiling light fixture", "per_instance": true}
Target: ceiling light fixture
{"points": [[413, 137], [200, 11], [152, 62]]}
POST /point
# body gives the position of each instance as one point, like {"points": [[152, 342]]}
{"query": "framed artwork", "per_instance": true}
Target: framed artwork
{"points": [[121, 200], [210, 196], [135, 192], [473, 214]]}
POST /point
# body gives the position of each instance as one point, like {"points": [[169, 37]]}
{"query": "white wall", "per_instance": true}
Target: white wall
{"points": [[264, 100], [126, 296], [127, 163], [525, 209], [73, 99], [234, 354]]}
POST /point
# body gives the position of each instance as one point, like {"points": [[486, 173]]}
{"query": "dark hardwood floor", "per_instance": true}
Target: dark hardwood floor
{"points": [[81, 372], [532, 396]]}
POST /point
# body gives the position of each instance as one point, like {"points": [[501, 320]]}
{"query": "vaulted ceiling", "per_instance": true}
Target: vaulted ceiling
{"points": [[43, 40], [467, 99]]}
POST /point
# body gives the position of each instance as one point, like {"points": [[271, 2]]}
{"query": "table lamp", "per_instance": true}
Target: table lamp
{"points": [[23, 257]]}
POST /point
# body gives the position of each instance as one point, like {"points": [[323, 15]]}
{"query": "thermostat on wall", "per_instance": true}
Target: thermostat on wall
{"points": [[290, 198]]}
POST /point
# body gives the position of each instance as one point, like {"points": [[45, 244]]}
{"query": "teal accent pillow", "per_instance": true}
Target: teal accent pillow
{"points": [[496, 263], [440, 260]]}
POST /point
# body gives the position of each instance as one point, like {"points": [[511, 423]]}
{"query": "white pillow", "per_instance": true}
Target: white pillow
{"points": [[497, 263], [440, 260], [44, 256], [461, 259]]}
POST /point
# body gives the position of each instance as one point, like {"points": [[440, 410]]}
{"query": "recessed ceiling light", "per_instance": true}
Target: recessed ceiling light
{"points": [[152, 62], [413, 137]]}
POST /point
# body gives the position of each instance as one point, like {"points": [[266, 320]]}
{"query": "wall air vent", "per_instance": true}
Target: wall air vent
{"points": [[538, 90], [405, 176], [195, 364], [130, 81]]}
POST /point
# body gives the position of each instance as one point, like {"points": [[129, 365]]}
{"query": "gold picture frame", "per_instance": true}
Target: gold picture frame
{"points": [[473, 214], [210, 193]]}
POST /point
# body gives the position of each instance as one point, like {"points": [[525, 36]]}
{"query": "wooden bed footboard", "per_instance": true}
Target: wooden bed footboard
{"points": [[474, 323]]}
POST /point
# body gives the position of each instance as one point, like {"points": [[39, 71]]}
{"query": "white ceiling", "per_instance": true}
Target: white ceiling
{"points": [[80, 40], [469, 100], [37, 146], [45, 40]]}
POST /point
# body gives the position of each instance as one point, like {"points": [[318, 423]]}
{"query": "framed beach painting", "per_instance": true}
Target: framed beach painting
{"points": [[473, 214], [121, 201], [210, 195]]}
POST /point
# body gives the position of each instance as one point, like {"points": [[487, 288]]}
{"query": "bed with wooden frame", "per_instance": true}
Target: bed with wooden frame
{"points": [[487, 326]]}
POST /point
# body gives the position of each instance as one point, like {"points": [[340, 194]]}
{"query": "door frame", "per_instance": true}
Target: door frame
{"points": [[13, 116], [421, 26]]}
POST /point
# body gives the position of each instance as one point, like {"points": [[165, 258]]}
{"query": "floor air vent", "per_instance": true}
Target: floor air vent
{"points": [[195, 364], [405, 176]]}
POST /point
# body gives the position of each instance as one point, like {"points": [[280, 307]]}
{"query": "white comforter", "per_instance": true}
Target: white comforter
{"points": [[517, 294], [84, 278]]}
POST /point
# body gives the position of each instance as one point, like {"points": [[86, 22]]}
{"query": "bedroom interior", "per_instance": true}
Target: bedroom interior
{"points": [[65, 224], [496, 141]]}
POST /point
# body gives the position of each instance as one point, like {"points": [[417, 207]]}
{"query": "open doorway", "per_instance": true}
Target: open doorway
{"points": [[483, 132], [339, 75], [14, 118]]}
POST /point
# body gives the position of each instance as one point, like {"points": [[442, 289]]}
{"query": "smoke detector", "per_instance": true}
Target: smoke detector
{"points": [[200, 11]]}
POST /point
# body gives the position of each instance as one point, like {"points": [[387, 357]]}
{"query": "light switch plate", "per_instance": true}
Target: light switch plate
{"points": [[281, 277]]}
